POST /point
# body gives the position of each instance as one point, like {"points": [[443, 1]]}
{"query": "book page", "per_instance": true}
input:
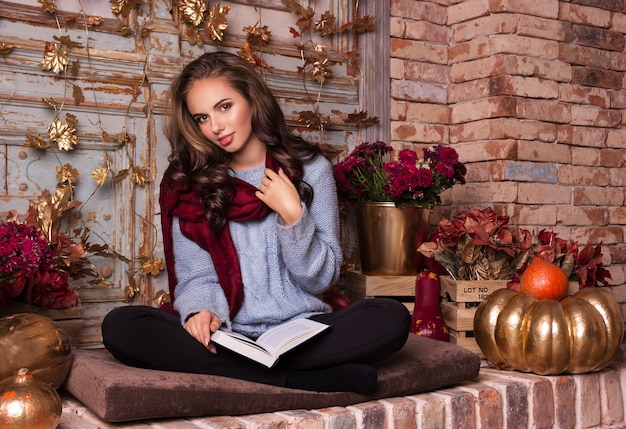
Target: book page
{"points": [[276, 339]]}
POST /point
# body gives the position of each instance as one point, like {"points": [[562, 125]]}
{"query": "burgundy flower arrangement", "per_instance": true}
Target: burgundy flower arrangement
{"points": [[369, 174], [477, 244], [29, 269]]}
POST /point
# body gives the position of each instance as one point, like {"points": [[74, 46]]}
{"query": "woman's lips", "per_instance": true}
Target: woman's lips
{"points": [[226, 140]]}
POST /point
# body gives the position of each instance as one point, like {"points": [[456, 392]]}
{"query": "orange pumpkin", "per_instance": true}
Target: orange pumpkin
{"points": [[543, 280]]}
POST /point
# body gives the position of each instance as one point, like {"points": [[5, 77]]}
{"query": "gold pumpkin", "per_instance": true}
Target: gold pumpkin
{"points": [[35, 342], [581, 333], [26, 403]]}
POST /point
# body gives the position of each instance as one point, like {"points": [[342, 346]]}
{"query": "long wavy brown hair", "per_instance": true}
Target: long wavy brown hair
{"points": [[194, 159]]}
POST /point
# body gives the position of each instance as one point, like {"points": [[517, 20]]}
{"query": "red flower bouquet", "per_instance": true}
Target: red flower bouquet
{"points": [[369, 174], [29, 270]]}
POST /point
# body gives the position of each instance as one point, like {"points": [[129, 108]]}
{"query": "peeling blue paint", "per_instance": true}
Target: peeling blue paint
{"points": [[530, 172]]}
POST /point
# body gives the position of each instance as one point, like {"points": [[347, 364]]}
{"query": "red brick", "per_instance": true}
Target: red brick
{"points": [[398, 110], [618, 256], [514, 395], [599, 196], [419, 10], [437, 73], [337, 417], [523, 86], [584, 15], [418, 132], [546, 69], [590, 137], [580, 216], [489, 407], [607, 235], [565, 134], [418, 50], [530, 150], [618, 99], [545, 8], [301, 419], [503, 128], [595, 116], [485, 67], [617, 216], [614, 5], [427, 31], [618, 61], [564, 400], [585, 95], [460, 407], [521, 45], [467, 10], [478, 172], [598, 38], [576, 175], [429, 411], [396, 27], [590, 76], [418, 91], [470, 90], [484, 193], [611, 397], [543, 110], [396, 68], [541, 398], [520, 171], [429, 113], [588, 388], [400, 413], [486, 150], [616, 139], [267, 420], [470, 50], [618, 22], [480, 109], [541, 193], [534, 215], [617, 177], [542, 28], [483, 26], [368, 414], [585, 156], [584, 56]]}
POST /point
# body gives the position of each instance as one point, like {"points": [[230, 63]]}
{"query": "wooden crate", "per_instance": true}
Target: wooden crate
{"points": [[360, 286], [69, 319], [460, 298]]}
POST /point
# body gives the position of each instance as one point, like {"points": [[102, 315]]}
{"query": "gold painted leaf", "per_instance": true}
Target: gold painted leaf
{"points": [[257, 37], [120, 175], [55, 58], [361, 120], [94, 20], [312, 119], [153, 267], [6, 48], [193, 10], [124, 7], [321, 70], [100, 175], [217, 22], [140, 176], [50, 102], [48, 6], [306, 20], [36, 142], [67, 173], [62, 134]]}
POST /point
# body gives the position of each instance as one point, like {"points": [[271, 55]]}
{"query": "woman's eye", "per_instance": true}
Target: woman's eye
{"points": [[201, 118], [225, 106]]}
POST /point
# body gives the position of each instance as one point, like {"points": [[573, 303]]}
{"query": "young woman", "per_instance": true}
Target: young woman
{"points": [[250, 232]]}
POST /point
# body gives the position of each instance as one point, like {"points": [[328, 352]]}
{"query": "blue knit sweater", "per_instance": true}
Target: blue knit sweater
{"points": [[284, 268]]}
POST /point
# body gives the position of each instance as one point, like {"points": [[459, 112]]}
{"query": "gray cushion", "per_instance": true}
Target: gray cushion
{"points": [[116, 392]]}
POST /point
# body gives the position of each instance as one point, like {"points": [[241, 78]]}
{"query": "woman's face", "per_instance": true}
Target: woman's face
{"points": [[224, 117]]}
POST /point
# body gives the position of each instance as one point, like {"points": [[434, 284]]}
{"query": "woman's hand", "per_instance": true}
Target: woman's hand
{"points": [[279, 193], [201, 326]]}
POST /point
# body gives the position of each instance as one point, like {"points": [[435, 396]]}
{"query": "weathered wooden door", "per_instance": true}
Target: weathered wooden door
{"points": [[113, 91]]}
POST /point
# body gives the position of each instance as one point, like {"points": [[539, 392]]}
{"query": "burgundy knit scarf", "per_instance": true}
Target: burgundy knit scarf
{"points": [[182, 200]]}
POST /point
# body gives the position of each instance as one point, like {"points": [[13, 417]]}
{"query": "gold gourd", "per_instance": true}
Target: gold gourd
{"points": [[27, 403], [581, 333], [35, 342]]}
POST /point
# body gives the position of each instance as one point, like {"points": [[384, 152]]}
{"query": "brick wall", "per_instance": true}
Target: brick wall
{"points": [[531, 94]]}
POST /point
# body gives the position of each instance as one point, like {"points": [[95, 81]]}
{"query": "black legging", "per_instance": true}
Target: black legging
{"points": [[365, 332]]}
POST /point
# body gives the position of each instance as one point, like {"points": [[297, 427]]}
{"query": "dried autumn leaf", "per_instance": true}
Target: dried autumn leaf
{"points": [[248, 54], [257, 37], [192, 10], [67, 173], [217, 22], [72, 120], [194, 36], [67, 42], [124, 7], [361, 120], [120, 175], [312, 119], [153, 267], [100, 175], [36, 142], [140, 176], [364, 24], [296, 8], [161, 297], [48, 6], [125, 30], [62, 134], [55, 58], [326, 24], [6, 48], [306, 20], [50, 102], [77, 94], [74, 68], [294, 32]]}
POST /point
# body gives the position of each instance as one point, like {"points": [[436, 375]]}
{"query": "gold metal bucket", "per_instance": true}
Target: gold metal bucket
{"points": [[389, 236]]}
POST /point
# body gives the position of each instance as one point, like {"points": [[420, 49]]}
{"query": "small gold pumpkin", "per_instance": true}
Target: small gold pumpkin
{"points": [[26, 403], [581, 333], [35, 342]]}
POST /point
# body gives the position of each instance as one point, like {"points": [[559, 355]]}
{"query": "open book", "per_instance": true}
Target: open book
{"points": [[273, 343]]}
